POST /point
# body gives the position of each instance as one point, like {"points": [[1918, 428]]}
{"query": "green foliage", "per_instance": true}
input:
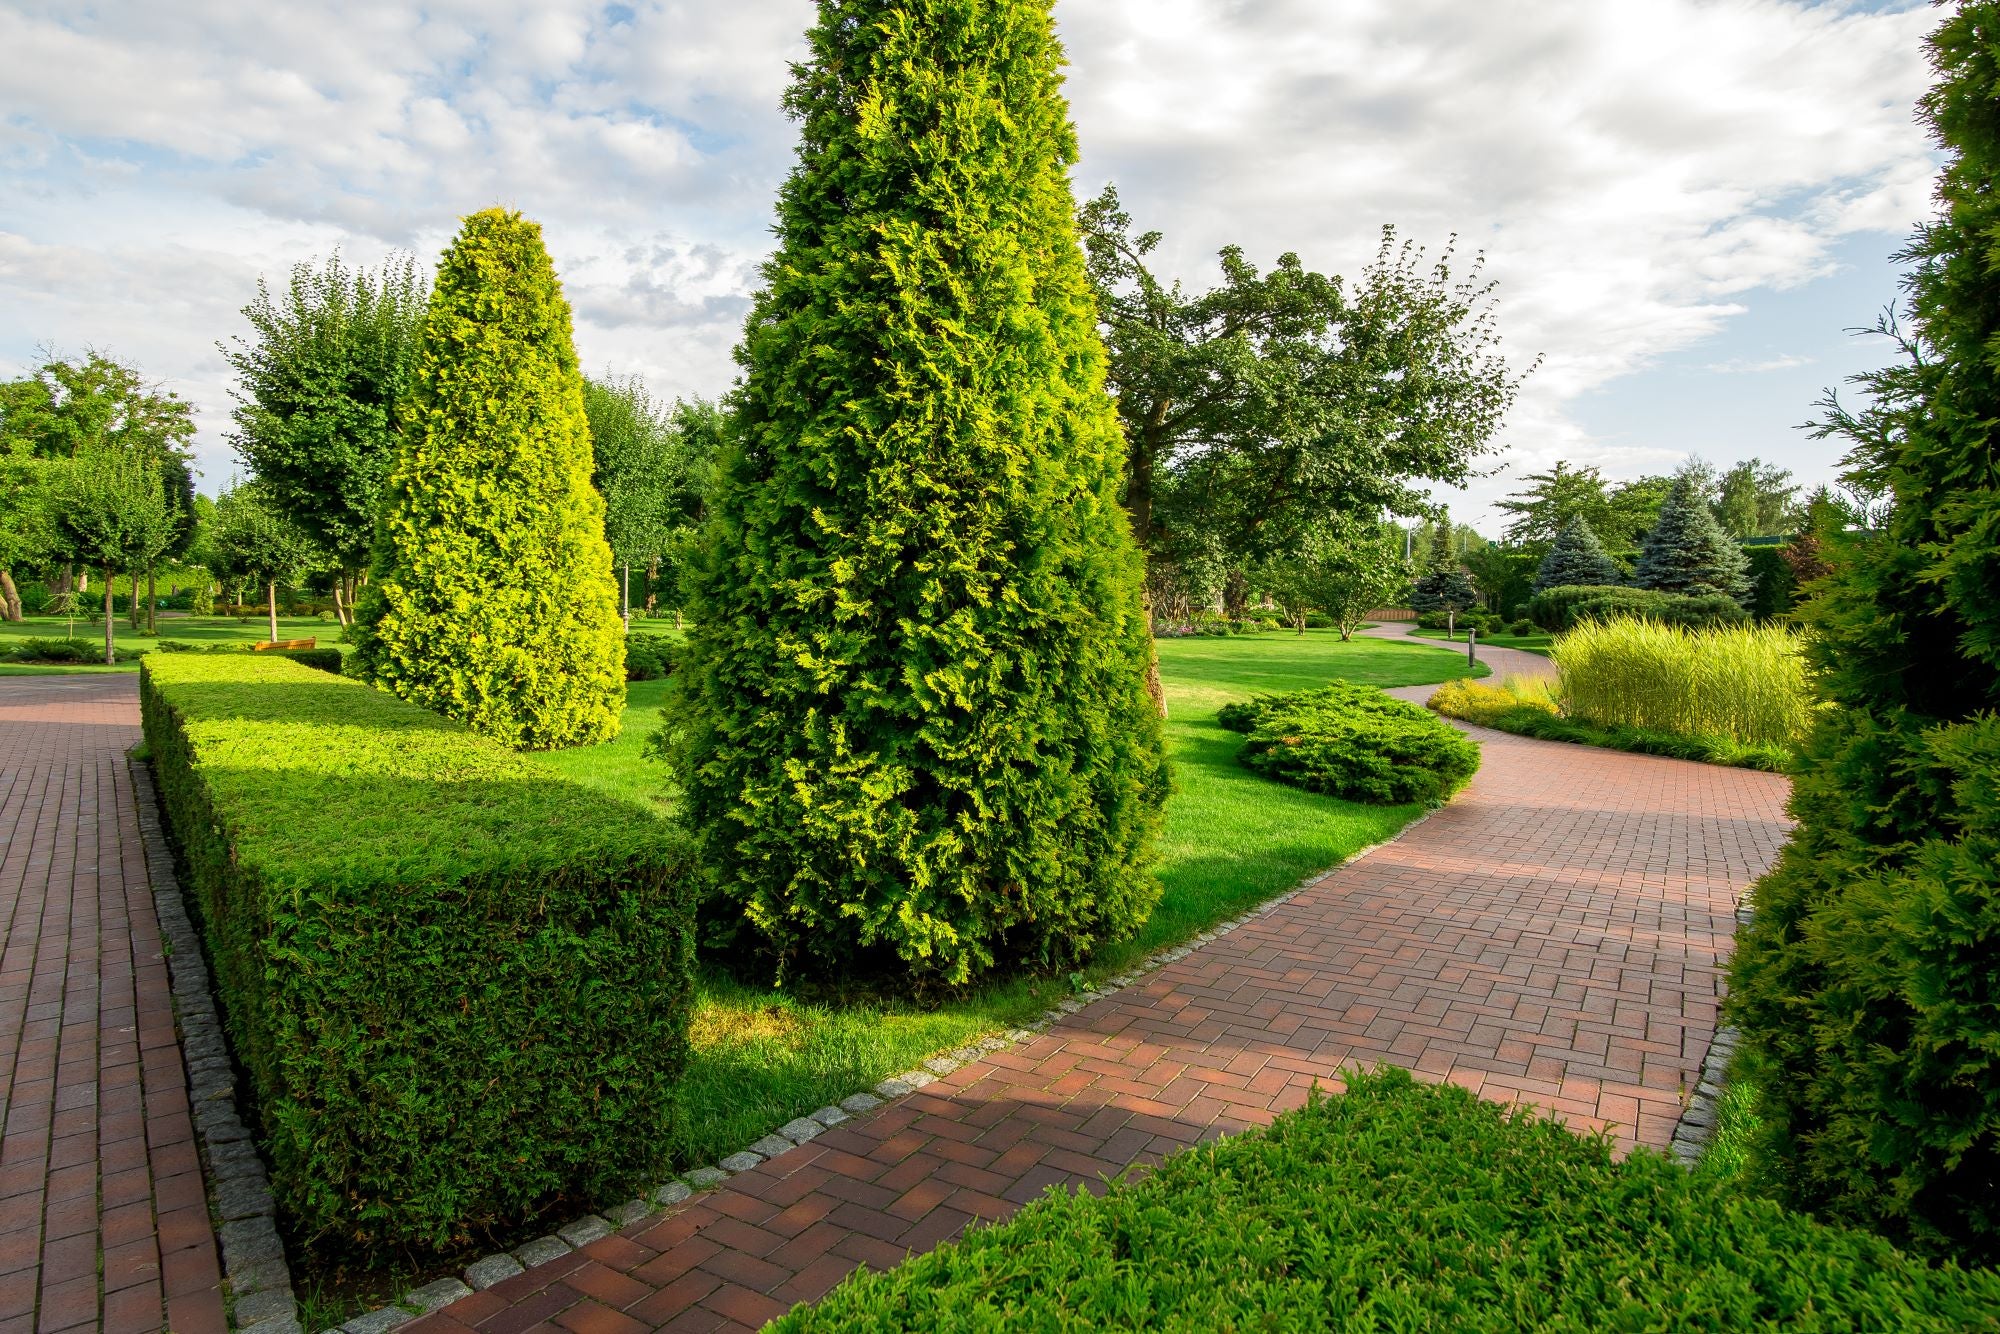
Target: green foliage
{"points": [[458, 985], [321, 659], [1619, 514], [915, 723], [36, 648], [653, 465], [649, 658], [1557, 609], [1576, 558], [1748, 684], [1348, 741], [1507, 709], [1342, 571], [1866, 987], [492, 599], [1687, 551], [1504, 575], [1774, 589], [1757, 499], [317, 388], [249, 539], [1399, 1206]]}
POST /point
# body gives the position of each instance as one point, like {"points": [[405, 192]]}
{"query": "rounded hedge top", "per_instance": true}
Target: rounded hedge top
{"points": [[491, 598]]}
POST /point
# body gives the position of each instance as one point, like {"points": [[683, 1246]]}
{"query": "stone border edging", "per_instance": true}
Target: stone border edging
{"points": [[1698, 1118], [491, 1269], [254, 1271]]}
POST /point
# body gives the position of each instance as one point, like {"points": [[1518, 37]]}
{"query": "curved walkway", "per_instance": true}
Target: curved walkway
{"points": [[1556, 934], [103, 1217], [1505, 662]]}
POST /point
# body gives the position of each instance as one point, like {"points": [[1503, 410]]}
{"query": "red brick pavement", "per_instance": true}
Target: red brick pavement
{"points": [[1554, 935], [103, 1216]]}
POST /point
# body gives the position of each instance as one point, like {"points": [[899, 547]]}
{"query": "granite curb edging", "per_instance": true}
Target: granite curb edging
{"points": [[1698, 1119], [259, 1297], [488, 1270]]}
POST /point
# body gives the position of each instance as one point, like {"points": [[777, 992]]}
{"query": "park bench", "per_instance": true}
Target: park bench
{"points": [[284, 645]]}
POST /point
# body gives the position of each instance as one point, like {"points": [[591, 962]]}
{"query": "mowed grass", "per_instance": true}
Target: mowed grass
{"points": [[182, 629], [762, 1056], [1535, 643]]}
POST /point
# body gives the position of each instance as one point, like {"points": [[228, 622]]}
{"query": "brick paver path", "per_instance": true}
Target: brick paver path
{"points": [[103, 1218], [1555, 934]]}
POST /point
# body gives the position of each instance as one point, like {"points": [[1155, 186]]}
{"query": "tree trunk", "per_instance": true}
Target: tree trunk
{"points": [[1156, 690], [152, 604], [271, 604], [625, 598], [10, 597], [1235, 595], [110, 622], [339, 607], [65, 580]]}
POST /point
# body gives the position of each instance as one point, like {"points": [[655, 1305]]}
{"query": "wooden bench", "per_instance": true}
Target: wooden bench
{"points": [[284, 645]]}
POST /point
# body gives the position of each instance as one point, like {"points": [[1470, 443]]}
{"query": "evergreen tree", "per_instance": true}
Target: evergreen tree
{"points": [[1687, 551], [1576, 558], [1444, 586], [491, 598], [914, 719], [1867, 986]]}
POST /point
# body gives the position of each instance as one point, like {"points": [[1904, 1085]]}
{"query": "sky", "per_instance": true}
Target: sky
{"points": [[1685, 204]]}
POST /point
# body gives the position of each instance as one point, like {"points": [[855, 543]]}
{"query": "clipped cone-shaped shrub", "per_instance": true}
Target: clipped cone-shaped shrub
{"points": [[491, 597], [914, 724], [1687, 551], [1576, 558]]}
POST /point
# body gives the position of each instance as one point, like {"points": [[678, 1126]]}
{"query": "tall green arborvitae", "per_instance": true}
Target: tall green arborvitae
{"points": [[1868, 986], [915, 724], [1576, 558], [491, 597], [1687, 551]]}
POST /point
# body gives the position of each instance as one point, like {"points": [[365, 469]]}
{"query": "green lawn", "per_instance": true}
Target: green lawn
{"points": [[1535, 643], [184, 629], [1232, 840]]}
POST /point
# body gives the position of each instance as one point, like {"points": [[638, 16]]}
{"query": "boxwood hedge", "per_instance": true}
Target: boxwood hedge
{"points": [[1399, 1206], [459, 986], [1352, 741]]}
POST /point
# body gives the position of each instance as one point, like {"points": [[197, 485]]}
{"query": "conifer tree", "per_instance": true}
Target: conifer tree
{"points": [[491, 597], [1867, 986], [1687, 551], [915, 731], [1577, 558]]}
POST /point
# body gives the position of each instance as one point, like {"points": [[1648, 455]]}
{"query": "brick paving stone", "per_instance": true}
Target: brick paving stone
{"points": [[1556, 935], [98, 1146]]}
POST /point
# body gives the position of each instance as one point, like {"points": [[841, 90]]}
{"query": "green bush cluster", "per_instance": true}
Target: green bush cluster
{"points": [[62, 651], [1354, 742], [649, 657], [1399, 1206], [1557, 609], [913, 729], [492, 599], [458, 985]]}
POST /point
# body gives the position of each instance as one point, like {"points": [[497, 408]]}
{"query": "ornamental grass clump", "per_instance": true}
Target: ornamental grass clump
{"points": [[913, 729], [1746, 684]]}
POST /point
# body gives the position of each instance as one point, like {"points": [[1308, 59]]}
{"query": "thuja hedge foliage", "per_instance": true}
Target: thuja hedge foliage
{"points": [[1867, 987], [915, 730], [1354, 742], [1398, 1206], [492, 599], [459, 986]]}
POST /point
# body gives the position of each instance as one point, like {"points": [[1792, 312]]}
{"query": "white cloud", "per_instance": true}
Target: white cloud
{"points": [[1745, 366], [1632, 170]]}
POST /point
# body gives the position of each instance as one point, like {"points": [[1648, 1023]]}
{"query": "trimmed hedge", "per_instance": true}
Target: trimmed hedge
{"points": [[1401, 1206], [1557, 609], [459, 985], [649, 658], [323, 659], [1352, 741], [83, 652]]}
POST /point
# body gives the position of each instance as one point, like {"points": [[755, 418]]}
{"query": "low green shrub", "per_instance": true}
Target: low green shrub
{"points": [[1402, 1206], [649, 658], [322, 659], [459, 985], [1524, 626], [1352, 741], [64, 651]]}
